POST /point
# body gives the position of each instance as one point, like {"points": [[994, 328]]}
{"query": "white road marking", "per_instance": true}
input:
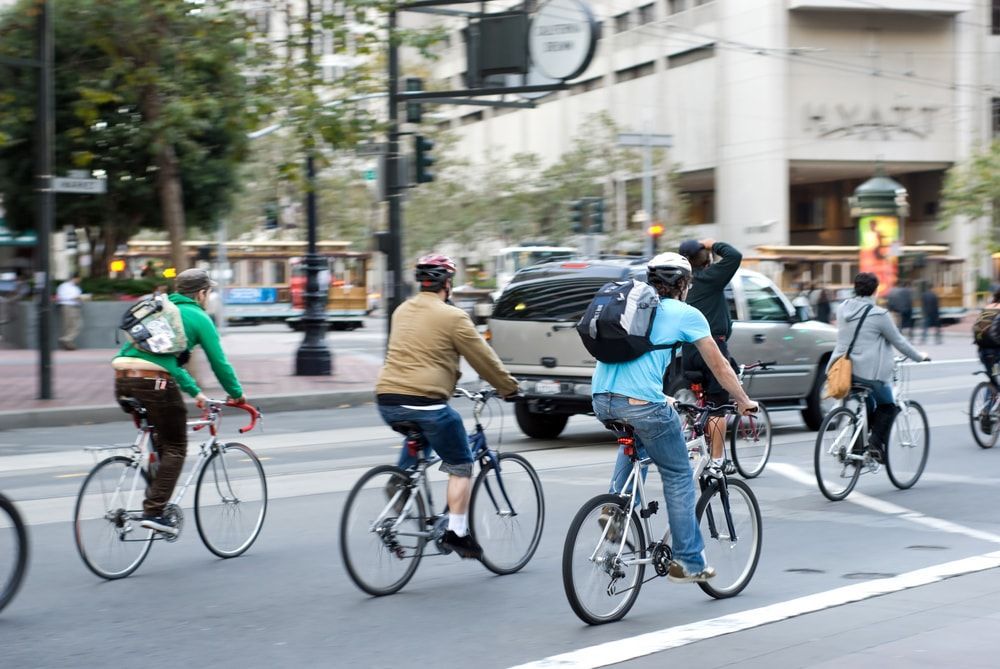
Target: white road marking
{"points": [[622, 650]]}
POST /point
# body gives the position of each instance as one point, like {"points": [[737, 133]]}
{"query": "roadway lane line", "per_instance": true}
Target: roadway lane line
{"points": [[888, 508], [623, 650]]}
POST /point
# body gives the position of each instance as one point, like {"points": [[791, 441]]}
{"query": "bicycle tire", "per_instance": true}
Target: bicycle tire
{"points": [[241, 495], [733, 569], [497, 524], [113, 524], [899, 454], [824, 456], [365, 503], [752, 436], [979, 415], [583, 582], [11, 582]]}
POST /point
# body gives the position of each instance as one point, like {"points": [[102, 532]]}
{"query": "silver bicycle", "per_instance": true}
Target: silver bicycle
{"points": [[230, 497], [609, 543], [842, 453]]}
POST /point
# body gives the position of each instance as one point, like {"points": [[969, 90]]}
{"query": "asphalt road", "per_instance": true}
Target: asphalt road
{"points": [[289, 602]]}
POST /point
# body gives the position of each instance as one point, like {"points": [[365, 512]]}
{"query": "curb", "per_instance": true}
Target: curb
{"points": [[105, 413]]}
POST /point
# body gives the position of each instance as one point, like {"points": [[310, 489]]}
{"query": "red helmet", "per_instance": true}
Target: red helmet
{"points": [[434, 269]]}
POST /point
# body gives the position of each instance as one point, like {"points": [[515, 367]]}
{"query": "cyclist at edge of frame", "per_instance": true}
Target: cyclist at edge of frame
{"points": [[872, 356], [708, 296], [427, 335], [632, 392], [989, 351], [157, 379]]}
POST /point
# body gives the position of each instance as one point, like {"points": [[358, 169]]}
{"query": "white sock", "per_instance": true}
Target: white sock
{"points": [[458, 523], [718, 461]]}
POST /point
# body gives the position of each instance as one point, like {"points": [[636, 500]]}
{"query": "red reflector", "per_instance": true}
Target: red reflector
{"points": [[575, 265], [629, 450], [626, 441]]}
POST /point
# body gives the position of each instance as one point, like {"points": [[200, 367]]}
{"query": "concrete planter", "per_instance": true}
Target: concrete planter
{"points": [[100, 325]]}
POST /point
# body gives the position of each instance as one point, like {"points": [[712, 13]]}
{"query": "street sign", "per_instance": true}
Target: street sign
{"points": [[371, 149], [85, 186], [371, 175], [639, 139]]}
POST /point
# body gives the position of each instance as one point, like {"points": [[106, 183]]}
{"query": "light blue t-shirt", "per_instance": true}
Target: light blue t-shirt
{"points": [[642, 378]]}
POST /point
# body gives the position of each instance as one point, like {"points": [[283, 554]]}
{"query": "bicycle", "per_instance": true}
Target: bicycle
{"points": [[842, 453], [230, 497], [385, 524], [750, 438], [13, 550], [603, 563], [984, 410]]}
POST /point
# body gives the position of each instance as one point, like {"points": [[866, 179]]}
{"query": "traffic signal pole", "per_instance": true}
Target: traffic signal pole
{"points": [[393, 288], [46, 198]]}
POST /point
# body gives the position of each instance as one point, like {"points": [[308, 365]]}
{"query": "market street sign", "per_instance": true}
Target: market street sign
{"points": [[85, 186], [562, 38]]}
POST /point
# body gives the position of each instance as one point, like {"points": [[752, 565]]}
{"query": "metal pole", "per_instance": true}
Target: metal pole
{"points": [[393, 280], [46, 198], [647, 188], [313, 357], [222, 263]]}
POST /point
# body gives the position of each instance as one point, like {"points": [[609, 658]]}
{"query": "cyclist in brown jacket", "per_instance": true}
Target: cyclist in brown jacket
{"points": [[421, 368]]}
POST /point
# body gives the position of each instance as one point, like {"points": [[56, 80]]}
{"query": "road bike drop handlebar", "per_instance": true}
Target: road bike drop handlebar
{"points": [[484, 394], [213, 408]]}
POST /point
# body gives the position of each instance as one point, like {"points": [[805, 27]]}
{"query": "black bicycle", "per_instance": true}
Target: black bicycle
{"points": [[389, 517], [13, 550]]}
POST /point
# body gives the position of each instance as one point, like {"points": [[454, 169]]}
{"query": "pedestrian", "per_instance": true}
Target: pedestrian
{"points": [[900, 303], [68, 296], [930, 306], [803, 309], [149, 271], [823, 311]]}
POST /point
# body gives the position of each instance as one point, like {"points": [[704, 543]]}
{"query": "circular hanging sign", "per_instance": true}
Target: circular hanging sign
{"points": [[562, 38]]}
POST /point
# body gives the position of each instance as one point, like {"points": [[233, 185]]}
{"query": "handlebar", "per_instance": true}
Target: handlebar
{"points": [[215, 406], [760, 365]]}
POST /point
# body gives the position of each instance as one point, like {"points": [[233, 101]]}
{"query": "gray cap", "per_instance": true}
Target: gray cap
{"points": [[190, 281]]}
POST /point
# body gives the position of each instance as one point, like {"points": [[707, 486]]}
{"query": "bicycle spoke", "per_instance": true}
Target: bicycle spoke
{"points": [[507, 513], [230, 500], [731, 529]]}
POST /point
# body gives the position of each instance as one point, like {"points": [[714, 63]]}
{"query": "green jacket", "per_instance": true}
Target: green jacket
{"points": [[200, 329]]}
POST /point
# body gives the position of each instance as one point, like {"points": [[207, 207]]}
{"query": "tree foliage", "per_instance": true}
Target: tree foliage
{"points": [[972, 191], [150, 94]]}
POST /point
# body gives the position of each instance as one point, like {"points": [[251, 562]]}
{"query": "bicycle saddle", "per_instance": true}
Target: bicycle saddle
{"points": [[693, 376], [406, 427], [132, 405], [620, 428]]}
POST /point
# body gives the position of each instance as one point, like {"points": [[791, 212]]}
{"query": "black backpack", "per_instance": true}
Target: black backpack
{"points": [[986, 329], [616, 325]]}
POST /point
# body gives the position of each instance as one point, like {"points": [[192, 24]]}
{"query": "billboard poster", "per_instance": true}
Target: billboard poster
{"points": [[878, 241]]}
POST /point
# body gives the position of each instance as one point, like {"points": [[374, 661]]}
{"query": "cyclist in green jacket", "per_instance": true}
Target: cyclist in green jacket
{"points": [[157, 379]]}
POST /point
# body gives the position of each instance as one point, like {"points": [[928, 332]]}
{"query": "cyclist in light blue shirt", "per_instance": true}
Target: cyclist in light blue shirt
{"points": [[632, 392]]}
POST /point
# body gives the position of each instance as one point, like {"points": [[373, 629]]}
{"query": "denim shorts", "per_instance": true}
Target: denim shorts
{"points": [[444, 431]]}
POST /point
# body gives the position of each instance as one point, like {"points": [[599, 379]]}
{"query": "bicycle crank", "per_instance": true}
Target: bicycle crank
{"points": [[173, 514]]}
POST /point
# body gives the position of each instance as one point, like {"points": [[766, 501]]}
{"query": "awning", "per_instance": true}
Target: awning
{"points": [[8, 238]]}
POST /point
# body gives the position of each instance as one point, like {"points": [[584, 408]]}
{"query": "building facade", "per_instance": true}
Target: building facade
{"points": [[778, 109]]}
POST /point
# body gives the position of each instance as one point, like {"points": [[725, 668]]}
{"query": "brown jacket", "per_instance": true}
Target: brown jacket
{"points": [[425, 341]]}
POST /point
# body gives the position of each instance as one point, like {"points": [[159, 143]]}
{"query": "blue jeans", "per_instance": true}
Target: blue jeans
{"points": [[881, 393], [658, 432], [443, 430]]}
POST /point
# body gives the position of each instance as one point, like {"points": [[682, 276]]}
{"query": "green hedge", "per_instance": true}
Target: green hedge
{"points": [[104, 288]]}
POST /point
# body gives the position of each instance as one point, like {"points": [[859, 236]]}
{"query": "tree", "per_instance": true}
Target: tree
{"points": [[150, 94], [972, 191]]}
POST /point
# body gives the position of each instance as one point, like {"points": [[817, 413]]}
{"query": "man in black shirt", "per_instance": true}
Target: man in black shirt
{"points": [[707, 295]]}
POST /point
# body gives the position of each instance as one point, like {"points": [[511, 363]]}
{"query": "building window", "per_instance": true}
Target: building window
{"points": [[676, 6], [996, 17], [621, 23], [647, 14], [996, 118], [629, 73]]}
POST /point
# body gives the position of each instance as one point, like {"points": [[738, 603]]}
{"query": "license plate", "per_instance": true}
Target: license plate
{"points": [[548, 387]]}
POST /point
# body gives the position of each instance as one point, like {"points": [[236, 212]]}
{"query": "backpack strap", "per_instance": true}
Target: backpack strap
{"points": [[857, 330]]}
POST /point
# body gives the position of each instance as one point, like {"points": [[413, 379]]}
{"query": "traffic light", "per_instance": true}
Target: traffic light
{"points": [[597, 216], [654, 231], [414, 110], [424, 160], [577, 213], [71, 240], [271, 216]]}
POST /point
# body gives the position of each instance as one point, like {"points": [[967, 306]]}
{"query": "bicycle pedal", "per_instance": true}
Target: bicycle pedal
{"points": [[652, 508]]}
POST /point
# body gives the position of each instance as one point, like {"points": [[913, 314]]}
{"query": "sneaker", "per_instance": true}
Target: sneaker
{"points": [[877, 454], [394, 484], [608, 511], [986, 423], [678, 574], [466, 546], [159, 524]]}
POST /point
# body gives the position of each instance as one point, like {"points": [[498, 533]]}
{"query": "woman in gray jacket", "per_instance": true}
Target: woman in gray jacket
{"points": [[871, 358]]}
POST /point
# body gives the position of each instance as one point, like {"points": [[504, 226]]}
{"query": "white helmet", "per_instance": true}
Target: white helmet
{"points": [[668, 268]]}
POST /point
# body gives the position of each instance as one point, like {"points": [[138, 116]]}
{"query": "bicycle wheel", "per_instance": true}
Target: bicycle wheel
{"points": [[506, 513], [983, 415], [381, 548], [730, 524], [230, 500], [106, 519], [750, 442], [836, 474], [13, 551], [909, 445], [600, 586]]}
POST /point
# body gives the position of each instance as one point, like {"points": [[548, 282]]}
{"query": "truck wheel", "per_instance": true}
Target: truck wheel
{"points": [[539, 425], [817, 407]]}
